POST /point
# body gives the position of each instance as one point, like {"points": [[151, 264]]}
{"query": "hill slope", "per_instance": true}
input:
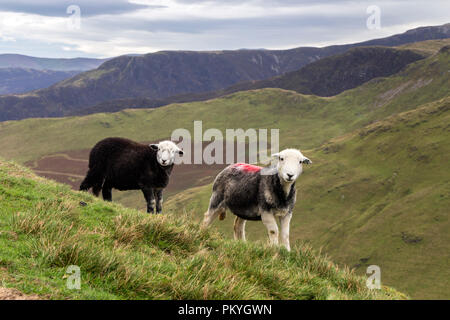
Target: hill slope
{"points": [[326, 77], [331, 75], [20, 80], [379, 195], [308, 122], [126, 254], [168, 73], [75, 64], [302, 119]]}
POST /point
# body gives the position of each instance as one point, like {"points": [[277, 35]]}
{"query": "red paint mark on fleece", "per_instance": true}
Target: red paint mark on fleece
{"points": [[247, 167]]}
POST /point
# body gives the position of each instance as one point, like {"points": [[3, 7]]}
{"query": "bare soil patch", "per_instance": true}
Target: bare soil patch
{"points": [[13, 294], [70, 168]]}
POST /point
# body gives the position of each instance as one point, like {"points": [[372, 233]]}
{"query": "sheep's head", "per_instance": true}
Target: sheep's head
{"points": [[166, 152], [290, 164]]}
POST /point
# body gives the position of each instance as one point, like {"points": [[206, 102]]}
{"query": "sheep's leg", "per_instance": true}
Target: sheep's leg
{"points": [[107, 191], [239, 229], [150, 199], [284, 224], [272, 228], [96, 189], [159, 200]]}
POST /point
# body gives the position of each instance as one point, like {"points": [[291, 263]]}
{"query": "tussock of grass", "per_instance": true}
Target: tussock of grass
{"points": [[127, 254]]}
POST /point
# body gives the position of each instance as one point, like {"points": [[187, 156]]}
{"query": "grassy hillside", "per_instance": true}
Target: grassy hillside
{"points": [[379, 195], [127, 254], [304, 120], [309, 122], [427, 47]]}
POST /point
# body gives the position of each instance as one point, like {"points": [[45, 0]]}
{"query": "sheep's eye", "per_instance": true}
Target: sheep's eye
{"points": [[281, 159]]}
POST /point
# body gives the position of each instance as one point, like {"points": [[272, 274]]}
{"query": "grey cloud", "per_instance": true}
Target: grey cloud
{"points": [[58, 8], [316, 26], [278, 3]]}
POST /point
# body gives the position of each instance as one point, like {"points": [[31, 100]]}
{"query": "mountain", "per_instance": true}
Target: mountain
{"points": [[127, 254], [325, 77], [160, 75], [335, 74], [375, 194], [418, 83], [413, 35], [55, 64], [20, 73], [20, 80]]}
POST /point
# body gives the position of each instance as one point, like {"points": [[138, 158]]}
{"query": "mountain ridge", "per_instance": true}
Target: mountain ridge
{"points": [[13, 60], [163, 74]]}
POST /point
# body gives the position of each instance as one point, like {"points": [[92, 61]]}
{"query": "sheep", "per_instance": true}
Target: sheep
{"points": [[127, 165], [255, 193]]}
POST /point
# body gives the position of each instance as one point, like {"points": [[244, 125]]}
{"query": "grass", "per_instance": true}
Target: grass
{"points": [[378, 195], [127, 254], [377, 192], [427, 47], [303, 120]]}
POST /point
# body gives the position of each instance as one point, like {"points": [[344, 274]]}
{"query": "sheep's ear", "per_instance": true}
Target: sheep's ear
{"points": [[306, 161], [276, 155], [154, 146]]}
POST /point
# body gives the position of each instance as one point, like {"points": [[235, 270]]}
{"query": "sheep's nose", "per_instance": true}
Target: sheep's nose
{"points": [[164, 161], [289, 176]]}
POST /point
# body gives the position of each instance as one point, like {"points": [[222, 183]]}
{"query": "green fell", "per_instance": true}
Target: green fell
{"points": [[126, 254], [378, 195], [304, 120], [377, 192]]}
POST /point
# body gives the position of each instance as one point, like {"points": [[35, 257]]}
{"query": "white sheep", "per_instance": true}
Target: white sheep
{"points": [[255, 193]]}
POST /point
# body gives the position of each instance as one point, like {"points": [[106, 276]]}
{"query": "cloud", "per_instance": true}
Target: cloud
{"points": [[143, 26], [58, 8]]}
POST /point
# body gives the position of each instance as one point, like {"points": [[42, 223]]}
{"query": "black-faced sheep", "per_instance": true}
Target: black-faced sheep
{"points": [[254, 193], [127, 165]]}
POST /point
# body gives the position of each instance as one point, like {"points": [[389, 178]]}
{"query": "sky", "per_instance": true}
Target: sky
{"points": [[107, 28]]}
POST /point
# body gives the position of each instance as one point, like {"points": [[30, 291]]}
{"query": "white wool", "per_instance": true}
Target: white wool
{"points": [[290, 165], [167, 150]]}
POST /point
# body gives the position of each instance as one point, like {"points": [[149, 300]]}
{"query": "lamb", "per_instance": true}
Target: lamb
{"points": [[255, 193], [127, 165]]}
